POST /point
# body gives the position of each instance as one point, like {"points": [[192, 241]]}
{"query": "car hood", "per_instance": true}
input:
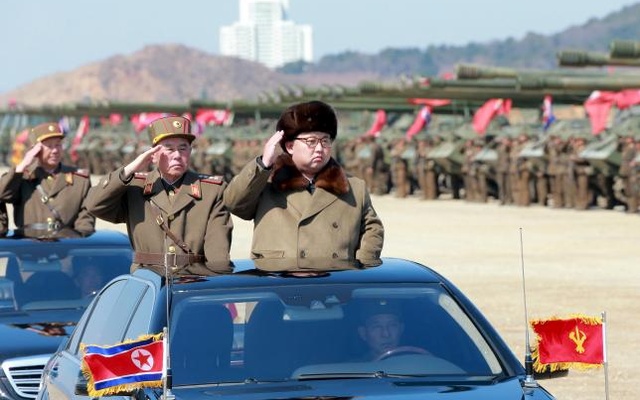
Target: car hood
{"points": [[370, 389], [36, 332]]}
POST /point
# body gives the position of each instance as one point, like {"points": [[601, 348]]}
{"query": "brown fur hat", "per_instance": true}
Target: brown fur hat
{"points": [[312, 116]]}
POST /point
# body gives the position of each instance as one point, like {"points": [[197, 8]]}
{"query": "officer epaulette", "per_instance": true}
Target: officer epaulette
{"points": [[82, 172], [214, 179], [140, 175]]}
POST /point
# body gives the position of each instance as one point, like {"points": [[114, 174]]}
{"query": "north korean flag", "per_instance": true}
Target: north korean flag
{"points": [[124, 366]]}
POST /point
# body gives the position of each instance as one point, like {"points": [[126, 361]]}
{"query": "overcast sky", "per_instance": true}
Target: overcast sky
{"points": [[41, 37]]}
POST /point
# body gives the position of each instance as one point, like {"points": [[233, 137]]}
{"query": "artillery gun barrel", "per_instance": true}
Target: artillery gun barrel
{"points": [[472, 71], [575, 58], [624, 49], [478, 72], [613, 83]]}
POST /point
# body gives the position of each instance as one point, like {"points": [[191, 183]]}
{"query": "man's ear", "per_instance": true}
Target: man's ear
{"points": [[289, 146]]}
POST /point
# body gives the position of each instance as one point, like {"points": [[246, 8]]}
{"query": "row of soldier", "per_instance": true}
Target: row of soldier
{"points": [[517, 165]]}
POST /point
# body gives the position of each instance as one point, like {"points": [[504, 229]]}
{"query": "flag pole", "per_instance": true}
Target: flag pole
{"points": [[604, 355], [169, 260], [528, 359]]}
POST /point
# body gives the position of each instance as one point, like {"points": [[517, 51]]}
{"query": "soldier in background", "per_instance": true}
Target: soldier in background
{"points": [[502, 170], [198, 154], [514, 171], [556, 170], [400, 168], [628, 174], [524, 168], [582, 170], [47, 196], [634, 180], [570, 186], [427, 175]]}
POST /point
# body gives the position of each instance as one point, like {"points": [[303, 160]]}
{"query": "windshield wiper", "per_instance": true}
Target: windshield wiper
{"points": [[344, 375]]}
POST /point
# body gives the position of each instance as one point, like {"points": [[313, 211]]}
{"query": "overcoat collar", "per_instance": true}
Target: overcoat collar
{"points": [[286, 177], [189, 191], [330, 183], [62, 177]]}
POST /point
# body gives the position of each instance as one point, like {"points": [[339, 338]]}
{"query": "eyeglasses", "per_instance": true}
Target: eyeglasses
{"points": [[312, 142]]}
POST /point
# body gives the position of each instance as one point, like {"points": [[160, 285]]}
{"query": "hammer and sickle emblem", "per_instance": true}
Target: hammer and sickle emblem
{"points": [[578, 337]]}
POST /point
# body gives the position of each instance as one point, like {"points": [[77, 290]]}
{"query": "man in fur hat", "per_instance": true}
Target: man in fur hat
{"points": [[47, 196], [175, 217], [302, 203]]}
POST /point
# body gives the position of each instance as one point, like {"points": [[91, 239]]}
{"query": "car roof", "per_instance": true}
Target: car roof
{"points": [[246, 274]]}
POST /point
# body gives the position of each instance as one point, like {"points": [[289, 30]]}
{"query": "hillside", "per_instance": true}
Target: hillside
{"points": [[172, 73]]}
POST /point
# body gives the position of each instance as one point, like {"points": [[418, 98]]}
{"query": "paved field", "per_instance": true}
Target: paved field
{"points": [[575, 262]]}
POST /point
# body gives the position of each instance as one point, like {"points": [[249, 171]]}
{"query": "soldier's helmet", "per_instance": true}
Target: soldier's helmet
{"points": [[170, 127], [312, 116], [45, 131]]}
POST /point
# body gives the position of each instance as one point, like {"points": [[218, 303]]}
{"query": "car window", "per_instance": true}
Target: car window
{"points": [[301, 332], [96, 326], [139, 324], [42, 276]]}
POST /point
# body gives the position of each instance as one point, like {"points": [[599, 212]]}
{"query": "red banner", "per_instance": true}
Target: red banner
{"points": [[568, 341], [488, 111], [378, 124]]}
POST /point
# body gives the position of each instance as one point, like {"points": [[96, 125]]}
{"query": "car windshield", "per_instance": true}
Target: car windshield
{"points": [[324, 331], [44, 275]]}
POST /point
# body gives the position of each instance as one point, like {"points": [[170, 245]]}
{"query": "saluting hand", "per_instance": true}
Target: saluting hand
{"points": [[270, 150], [142, 162], [28, 158]]}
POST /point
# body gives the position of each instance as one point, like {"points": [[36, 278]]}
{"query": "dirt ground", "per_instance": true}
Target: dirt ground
{"points": [[574, 261]]}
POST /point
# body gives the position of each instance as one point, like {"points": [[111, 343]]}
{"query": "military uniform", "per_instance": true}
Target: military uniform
{"points": [[46, 201], [627, 174], [193, 211], [185, 224], [502, 171], [337, 221], [427, 174], [329, 217]]}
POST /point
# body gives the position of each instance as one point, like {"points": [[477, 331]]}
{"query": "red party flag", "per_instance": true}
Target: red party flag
{"points": [[573, 342]]}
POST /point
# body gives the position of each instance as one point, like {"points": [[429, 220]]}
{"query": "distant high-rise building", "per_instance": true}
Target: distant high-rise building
{"points": [[265, 34]]}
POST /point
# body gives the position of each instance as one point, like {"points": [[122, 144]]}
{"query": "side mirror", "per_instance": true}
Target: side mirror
{"points": [[81, 386]]}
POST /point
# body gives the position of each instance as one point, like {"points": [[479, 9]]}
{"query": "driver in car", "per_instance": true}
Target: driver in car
{"points": [[381, 328]]}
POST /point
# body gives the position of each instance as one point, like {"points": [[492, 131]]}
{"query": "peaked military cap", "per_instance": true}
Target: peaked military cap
{"points": [[45, 131], [168, 127], [312, 116]]}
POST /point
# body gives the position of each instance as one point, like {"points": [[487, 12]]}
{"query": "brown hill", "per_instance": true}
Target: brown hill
{"points": [[165, 74]]}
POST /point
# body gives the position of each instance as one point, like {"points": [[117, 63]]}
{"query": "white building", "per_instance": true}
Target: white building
{"points": [[265, 34]]}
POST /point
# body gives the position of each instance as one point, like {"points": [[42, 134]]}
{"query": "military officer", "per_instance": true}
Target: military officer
{"points": [[303, 204], [47, 195], [175, 217]]}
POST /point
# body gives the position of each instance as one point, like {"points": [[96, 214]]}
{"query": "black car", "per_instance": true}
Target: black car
{"points": [[46, 283], [396, 330]]}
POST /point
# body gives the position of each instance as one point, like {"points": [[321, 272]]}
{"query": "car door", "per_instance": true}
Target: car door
{"points": [[107, 321]]}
